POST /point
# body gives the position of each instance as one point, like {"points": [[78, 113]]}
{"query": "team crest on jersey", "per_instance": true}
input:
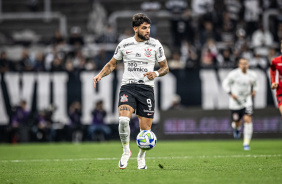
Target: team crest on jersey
{"points": [[123, 98], [148, 52]]}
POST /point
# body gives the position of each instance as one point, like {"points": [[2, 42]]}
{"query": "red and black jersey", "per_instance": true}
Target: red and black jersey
{"points": [[276, 65]]}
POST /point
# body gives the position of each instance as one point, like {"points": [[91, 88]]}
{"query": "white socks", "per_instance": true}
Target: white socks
{"points": [[124, 132], [248, 132], [141, 153]]}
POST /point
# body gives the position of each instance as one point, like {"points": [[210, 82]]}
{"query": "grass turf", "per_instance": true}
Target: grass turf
{"points": [[217, 162]]}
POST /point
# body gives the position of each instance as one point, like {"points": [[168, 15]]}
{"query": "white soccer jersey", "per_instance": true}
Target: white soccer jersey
{"points": [[139, 58], [241, 85]]}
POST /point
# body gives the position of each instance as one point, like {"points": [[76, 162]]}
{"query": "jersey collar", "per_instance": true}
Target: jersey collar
{"points": [[140, 42]]}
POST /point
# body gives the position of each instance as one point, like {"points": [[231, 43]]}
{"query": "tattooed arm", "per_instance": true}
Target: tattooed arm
{"points": [[108, 68], [162, 71], [164, 68]]}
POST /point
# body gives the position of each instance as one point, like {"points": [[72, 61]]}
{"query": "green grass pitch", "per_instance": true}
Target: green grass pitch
{"points": [[220, 162]]}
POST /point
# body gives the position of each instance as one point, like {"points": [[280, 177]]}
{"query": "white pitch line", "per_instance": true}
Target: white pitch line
{"points": [[151, 158]]}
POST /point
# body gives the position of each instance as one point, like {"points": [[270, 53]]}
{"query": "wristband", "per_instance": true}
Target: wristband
{"points": [[157, 73]]}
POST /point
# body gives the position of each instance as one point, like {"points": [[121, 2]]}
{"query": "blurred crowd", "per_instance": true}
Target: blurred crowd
{"points": [[29, 126], [203, 33], [61, 54], [215, 34]]}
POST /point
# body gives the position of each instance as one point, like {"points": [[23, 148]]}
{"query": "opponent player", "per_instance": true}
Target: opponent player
{"points": [[241, 85], [139, 54], [277, 65]]}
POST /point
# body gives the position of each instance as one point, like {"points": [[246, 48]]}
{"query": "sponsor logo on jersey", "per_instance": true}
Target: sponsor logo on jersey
{"points": [[279, 64], [139, 62], [123, 98], [127, 52], [133, 66], [148, 52], [149, 43], [137, 69], [138, 55], [128, 44]]}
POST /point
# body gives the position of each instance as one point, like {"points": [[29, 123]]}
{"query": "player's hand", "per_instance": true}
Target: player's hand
{"points": [[96, 79], [274, 85], [234, 97], [150, 75], [253, 93]]}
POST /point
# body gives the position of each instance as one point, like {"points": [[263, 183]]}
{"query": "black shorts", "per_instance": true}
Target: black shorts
{"points": [[236, 115], [140, 97]]}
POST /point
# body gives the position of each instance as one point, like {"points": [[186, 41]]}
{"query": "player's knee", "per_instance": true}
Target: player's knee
{"points": [[247, 122], [247, 119]]}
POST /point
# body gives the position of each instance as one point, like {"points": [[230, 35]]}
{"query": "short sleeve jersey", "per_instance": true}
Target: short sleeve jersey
{"points": [[241, 85], [139, 58], [277, 65]]}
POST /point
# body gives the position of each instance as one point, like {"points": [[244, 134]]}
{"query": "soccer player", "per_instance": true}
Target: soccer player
{"points": [[277, 65], [139, 54], [241, 85]]}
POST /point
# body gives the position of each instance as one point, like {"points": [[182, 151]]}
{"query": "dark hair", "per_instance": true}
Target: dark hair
{"points": [[99, 102], [139, 19]]}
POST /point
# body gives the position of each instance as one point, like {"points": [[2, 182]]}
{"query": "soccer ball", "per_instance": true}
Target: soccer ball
{"points": [[146, 140]]}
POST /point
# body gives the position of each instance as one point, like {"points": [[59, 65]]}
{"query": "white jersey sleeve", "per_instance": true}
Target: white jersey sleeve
{"points": [[227, 82], [118, 55], [160, 56]]}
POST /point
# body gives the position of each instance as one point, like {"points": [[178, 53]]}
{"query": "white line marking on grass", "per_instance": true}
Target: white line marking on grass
{"points": [[151, 158]]}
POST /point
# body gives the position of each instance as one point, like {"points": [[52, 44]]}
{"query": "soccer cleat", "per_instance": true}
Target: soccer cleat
{"points": [[141, 163], [246, 147], [236, 134], [124, 160]]}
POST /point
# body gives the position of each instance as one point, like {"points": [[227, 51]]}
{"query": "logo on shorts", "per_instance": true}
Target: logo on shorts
{"points": [[123, 98], [149, 114], [235, 116], [148, 52]]}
